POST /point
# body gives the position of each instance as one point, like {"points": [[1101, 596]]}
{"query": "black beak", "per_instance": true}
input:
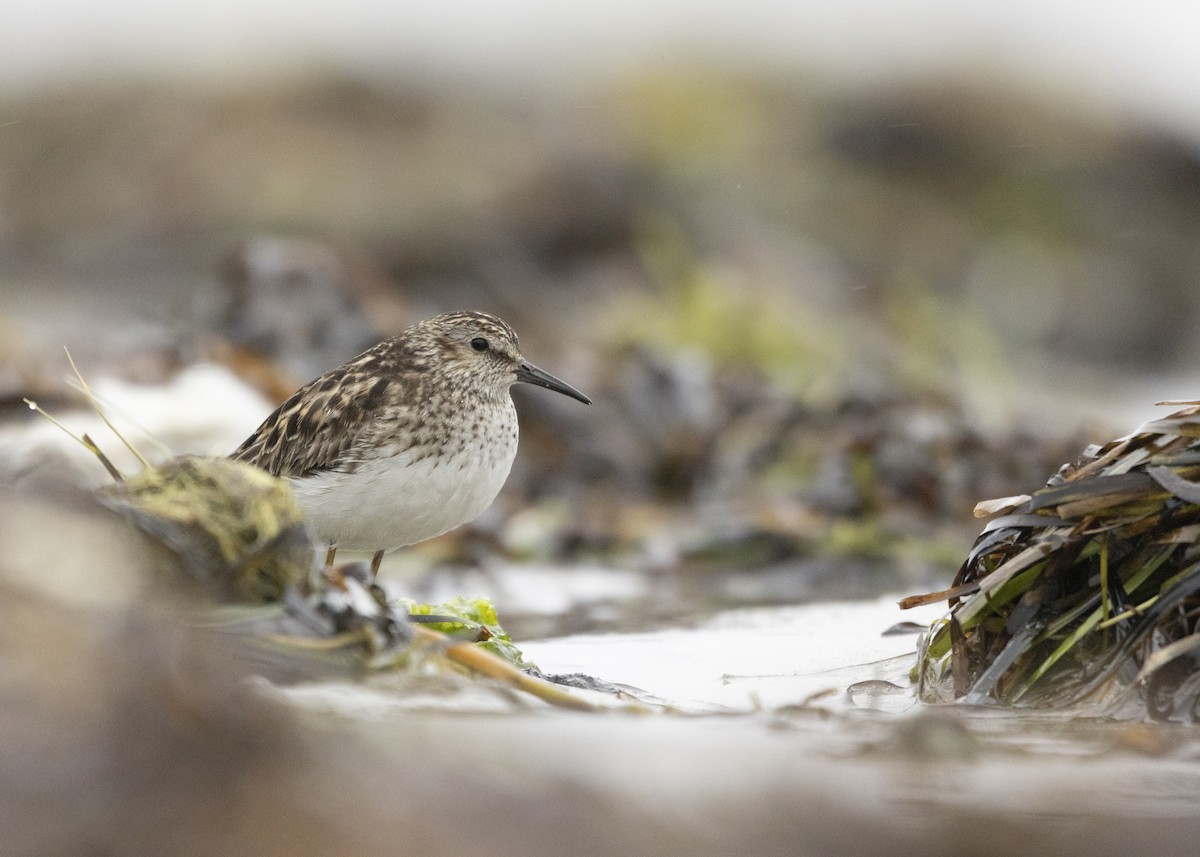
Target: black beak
{"points": [[531, 374]]}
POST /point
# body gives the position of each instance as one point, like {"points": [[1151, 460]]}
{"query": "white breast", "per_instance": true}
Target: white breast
{"points": [[399, 500]]}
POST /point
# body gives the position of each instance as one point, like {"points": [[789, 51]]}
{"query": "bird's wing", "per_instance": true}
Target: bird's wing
{"points": [[321, 427]]}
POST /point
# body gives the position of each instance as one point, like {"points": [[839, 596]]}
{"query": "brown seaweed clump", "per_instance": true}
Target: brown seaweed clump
{"points": [[229, 526], [1090, 584]]}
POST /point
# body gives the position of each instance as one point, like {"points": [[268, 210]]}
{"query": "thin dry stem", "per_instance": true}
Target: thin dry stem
{"points": [[87, 391]]}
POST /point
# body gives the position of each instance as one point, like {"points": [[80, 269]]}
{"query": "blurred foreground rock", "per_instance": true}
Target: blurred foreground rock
{"points": [[128, 731]]}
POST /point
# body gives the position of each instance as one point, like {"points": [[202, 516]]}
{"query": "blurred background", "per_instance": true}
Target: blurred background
{"points": [[831, 272], [832, 275]]}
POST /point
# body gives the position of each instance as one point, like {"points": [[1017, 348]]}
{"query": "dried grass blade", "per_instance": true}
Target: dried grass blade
{"points": [[1024, 519], [1105, 503], [1130, 461], [1093, 467], [1168, 653], [100, 411], [125, 417], [1184, 535], [85, 441], [1173, 425], [987, 508], [1013, 585], [1033, 554], [1092, 488], [934, 597], [108, 465]]}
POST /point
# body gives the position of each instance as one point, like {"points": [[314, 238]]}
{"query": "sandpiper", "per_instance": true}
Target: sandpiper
{"points": [[407, 441]]}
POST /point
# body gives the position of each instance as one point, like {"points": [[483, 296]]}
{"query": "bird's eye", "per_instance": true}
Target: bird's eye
{"points": [[479, 343]]}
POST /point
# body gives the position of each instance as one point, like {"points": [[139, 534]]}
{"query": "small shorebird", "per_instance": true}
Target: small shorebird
{"points": [[407, 441]]}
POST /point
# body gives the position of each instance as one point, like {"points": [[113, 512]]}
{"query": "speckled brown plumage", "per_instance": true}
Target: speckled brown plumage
{"points": [[335, 421], [420, 425]]}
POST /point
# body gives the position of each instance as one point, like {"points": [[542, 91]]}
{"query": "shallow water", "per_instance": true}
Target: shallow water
{"points": [[749, 659], [795, 730]]}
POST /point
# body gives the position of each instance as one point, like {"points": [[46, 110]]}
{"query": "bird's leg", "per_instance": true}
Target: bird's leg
{"points": [[327, 571], [375, 561]]}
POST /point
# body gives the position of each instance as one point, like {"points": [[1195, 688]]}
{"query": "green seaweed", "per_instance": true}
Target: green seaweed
{"points": [[477, 617]]}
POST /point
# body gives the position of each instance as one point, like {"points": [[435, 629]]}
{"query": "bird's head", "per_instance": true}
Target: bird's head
{"points": [[481, 349]]}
